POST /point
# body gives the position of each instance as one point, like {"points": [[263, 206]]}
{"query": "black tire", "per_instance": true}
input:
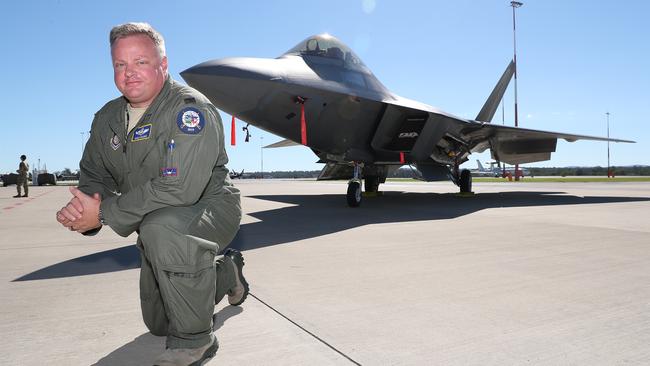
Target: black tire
{"points": [[354, 194], [465, 181], [371, 184]]}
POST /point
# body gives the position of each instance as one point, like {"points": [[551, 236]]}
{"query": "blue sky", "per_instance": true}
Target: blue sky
{"points": [[577, 60]]}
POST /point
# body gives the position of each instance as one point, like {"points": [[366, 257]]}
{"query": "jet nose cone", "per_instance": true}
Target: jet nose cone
{"points": [[232, 84], [236, 67]]}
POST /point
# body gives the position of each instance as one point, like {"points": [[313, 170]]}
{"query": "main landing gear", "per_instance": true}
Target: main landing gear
{"points": [[354, 188], [465, 181], [371, 184]]}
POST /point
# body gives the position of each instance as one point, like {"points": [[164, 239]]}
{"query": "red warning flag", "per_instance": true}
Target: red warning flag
{"points": [[303, 124], [232, 131]]}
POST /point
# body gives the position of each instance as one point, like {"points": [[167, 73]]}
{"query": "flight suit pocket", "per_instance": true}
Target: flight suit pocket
{"points": [[169, 168], [190, 298]]}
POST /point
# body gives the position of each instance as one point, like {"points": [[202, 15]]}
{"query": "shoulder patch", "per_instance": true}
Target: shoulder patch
{"points": [[190, 120]]}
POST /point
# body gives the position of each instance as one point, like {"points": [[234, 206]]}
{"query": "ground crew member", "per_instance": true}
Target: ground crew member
{"points": [[21, 180], [155, 164]]}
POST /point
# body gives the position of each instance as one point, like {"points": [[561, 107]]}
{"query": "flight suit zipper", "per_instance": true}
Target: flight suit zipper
{"points": [[127, 168], [126, 129]]}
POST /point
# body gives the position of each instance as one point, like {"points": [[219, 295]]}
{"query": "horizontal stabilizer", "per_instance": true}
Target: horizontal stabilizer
{"points": [[334, 171], [490, 107], [283, 143]]}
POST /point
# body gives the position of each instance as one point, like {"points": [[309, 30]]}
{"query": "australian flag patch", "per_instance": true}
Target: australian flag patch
{"points": [[169, 172]]}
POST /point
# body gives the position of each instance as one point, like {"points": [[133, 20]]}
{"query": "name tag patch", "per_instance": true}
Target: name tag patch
{"points": [[169, 172], [190, 121], [141, 133]]}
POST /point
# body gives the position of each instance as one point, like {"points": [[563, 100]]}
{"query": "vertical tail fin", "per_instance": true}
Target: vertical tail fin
{"points": [[480, 166], [492, 103]]}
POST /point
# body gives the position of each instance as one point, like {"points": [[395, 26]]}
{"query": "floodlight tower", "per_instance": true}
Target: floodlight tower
{"points": [[262, 157], [608, 169], [515, 5]]}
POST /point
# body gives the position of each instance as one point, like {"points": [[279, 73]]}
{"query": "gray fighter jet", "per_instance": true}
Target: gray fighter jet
{"points": [[319, 94]]}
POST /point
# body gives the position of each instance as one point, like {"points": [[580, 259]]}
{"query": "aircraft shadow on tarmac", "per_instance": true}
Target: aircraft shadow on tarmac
{"points": [[315, 215], [146, 347]]}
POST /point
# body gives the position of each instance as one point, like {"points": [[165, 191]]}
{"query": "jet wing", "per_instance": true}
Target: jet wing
{"points": [[507, 132], [427, 133], [515, 145]]}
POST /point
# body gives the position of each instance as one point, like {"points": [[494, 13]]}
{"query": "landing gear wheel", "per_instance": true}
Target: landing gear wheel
{"points": [[354, 194], [465, 181], [371, 184]]}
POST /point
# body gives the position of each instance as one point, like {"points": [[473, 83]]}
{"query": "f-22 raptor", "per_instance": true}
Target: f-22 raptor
{"points": [[321, 95]]}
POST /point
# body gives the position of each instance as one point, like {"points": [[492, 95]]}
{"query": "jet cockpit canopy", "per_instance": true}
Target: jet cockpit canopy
{"points": [[327, 46]]}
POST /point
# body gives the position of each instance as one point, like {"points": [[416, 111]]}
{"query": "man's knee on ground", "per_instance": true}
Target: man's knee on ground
{"points": [[157, 327]]}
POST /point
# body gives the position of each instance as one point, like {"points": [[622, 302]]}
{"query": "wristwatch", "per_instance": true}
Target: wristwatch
{"points": [[101, 216]]}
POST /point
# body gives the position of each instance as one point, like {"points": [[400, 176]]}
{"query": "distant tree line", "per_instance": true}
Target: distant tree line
{"points": [[293, 174], [407, 172], [634, 170]]}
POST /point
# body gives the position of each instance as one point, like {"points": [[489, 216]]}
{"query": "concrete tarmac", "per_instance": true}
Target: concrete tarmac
{"points": [[520, 273]]}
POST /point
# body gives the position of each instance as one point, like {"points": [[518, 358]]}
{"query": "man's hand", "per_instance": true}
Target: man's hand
{"points": [[81, 213]]}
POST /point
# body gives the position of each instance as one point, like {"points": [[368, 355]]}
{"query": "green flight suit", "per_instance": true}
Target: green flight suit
{"points": [[167, 180]]}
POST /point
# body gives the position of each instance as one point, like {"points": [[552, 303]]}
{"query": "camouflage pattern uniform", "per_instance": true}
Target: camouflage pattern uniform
{"points": [[22, 181]]}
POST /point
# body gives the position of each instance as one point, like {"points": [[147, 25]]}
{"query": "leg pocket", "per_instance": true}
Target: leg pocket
{"points": [[189, 297]]}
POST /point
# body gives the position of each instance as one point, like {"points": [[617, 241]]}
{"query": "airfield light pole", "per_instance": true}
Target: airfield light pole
{"points": [[608, 169], [515, 5], [82, 142], [262, 157]]}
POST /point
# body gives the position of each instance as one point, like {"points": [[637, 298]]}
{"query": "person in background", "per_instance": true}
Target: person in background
{"points": [[22, 181]]}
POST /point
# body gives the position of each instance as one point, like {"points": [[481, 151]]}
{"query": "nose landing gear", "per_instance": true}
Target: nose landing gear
{"points": [[354, 187]]}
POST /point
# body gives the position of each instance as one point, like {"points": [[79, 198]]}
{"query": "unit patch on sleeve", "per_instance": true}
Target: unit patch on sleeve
{"points": [[141, 133], [190, 121]]}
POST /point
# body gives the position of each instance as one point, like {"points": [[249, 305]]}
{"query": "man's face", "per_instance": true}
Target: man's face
{"points": [[139, 71]]}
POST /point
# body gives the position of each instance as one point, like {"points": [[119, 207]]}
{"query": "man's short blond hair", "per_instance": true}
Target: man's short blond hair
{"points": [[129, 29]]}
